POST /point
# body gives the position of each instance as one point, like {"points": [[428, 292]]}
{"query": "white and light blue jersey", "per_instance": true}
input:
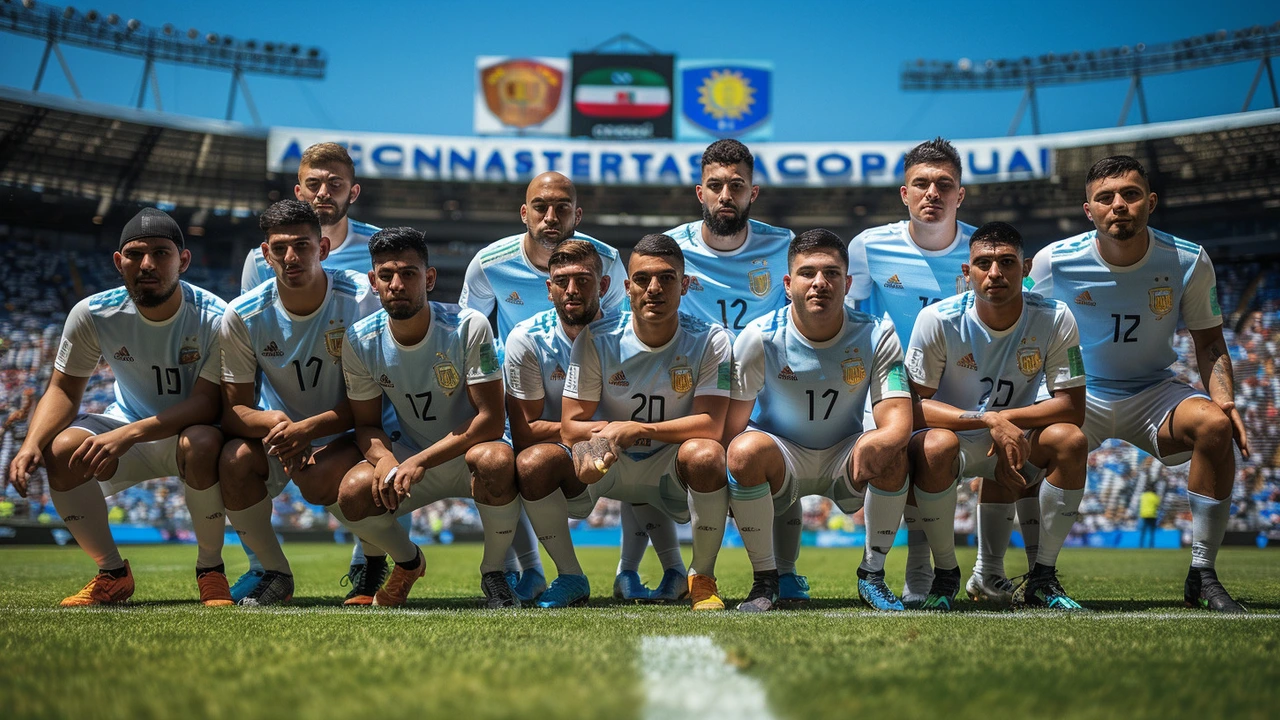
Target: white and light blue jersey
{"points": [[814, 393], [299, 358], [1128, 316], [734, 287], [156, 364], [633, 381], [502, 275], [351, 253], [893, 276], [426, 382], [974, 367], [537, 357]]}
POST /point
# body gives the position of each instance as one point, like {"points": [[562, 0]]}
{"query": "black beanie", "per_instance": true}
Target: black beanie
{"points": [[152, 223]]}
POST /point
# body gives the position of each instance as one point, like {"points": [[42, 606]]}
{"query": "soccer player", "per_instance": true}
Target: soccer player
{"points": [[977, 362], [326, 182], [159, 335], [899, 269], [810, 367], [736, 266], [537, 354], [289, 334], [644, 405], [440, 370], [1130, 287]]}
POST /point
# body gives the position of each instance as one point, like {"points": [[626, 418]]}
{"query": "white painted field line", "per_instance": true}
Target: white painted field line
{"points": [[690, 677]]}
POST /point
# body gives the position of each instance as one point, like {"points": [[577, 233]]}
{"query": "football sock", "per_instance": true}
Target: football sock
{"points": [[787, 531], [525, 543], [1058, 510], [499, 523], [1029, 524], [938, 522], [995, 525], [709, 512], [364, 550], [413, 564], [84, 511], [219, 568], [753, 514], [883, 514], [208, 522], [253, 525], [381, 529], [919, 563], [255, 565], [662, 533], [635, 539], [550, 519], [1208, 526]]}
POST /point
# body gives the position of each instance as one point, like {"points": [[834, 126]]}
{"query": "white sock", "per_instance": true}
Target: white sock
{"points": [[995, 525], [938, 522], [635, 540], [1058, 511], [84, 511], [499, 523], [788, 529], [253, 525], [550, 520], [1208, 525], [1029, 524], [883, 514], [362, 549], [381, 529], [919, 563], [208, 522], [710, 512], [753, 514], [662, 533], [525, 543]]}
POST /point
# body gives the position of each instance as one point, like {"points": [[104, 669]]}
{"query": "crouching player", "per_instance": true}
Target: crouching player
{"points": [[806, 370], [644, 405], [977, 361], [439, 369]]}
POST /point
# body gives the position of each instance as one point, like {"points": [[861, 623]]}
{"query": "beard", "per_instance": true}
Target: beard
{"points": [[580, 318], [404, 312], [1125, 232], [331, 216], [725, 227], [150, 298]]}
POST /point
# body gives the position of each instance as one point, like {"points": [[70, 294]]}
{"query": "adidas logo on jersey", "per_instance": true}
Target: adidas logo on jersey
{"points": [[272, 350], [514, 298], [787, 373], [385, 381], [1085, 298], [893, 282], [557, 374], [123, 354], [967, 362], [620, 379]]}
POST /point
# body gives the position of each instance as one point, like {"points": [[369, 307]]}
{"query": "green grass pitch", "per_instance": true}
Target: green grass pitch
{"points": [[1139, 655]]}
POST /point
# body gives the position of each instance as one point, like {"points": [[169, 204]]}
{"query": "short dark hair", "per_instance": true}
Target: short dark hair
{"points": [[290, 212], [817, 239], [1001, 233], [571, 251], [388, 241], [1115, 166], [660, 246], [934, 152], [728, 152]]}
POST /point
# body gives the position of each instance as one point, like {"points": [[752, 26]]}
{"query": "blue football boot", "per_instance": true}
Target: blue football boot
{"points": [[875, 593], [793, 590], [627, 586], [245, 584], [532, 584], [673, 588], [566, 591]]}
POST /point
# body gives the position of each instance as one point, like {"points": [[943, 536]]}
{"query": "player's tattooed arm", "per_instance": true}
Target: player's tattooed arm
{"points": [[1213, 359]]}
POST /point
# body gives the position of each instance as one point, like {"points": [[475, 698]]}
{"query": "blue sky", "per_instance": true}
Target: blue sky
{"points": [[410, 66]]}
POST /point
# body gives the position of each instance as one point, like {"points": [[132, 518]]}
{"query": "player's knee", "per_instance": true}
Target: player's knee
{"points": [[746, 455], [199, 450], [1212, 428], [536, 470], [701, 464], [58, 460], [234, 462], [940, 447], [355, 493], [1068, 441]]}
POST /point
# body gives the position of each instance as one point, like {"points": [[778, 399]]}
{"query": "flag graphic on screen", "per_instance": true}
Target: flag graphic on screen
{"points": [[622, 94]]}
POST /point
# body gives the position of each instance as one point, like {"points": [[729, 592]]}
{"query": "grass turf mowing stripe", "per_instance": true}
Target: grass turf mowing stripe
{"points": [[691, 677]]}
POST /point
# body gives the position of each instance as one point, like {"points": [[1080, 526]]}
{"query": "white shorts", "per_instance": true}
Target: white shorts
{"points": [[974, 461], [650, 481], [816, 472], [451, 479], [1137, 419], [142, 462]]}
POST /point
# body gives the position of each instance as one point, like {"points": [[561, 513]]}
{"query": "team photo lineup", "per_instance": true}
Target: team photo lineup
{"points": [[722, 371]]}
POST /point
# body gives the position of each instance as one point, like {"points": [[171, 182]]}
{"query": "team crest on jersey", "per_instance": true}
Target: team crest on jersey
{"points": [[682, 379], [759, 280], [854, 371], [123, 354], [272, 350], [447, 375], [1160, 300], [333, 341], [1029, 361], [385, 381], [557, 374], [190, 351], [695, 284]]}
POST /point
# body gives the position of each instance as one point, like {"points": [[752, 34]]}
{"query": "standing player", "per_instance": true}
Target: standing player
{"points": [[537, 353], [440, 370], [288, 334], [160, 337], [811, 367], [978, 361], [736, 266], [648, 391], [1131, 286]]}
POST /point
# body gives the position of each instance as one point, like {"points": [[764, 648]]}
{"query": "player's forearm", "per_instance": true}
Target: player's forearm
{"points": [[373, 443], [332, 422], [248, 422], [1216, 372], [195, 410], [54, 412], [532, 433], [690, 427], [572, 431], [484, 427], [1061, 408], [938, 414]]}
